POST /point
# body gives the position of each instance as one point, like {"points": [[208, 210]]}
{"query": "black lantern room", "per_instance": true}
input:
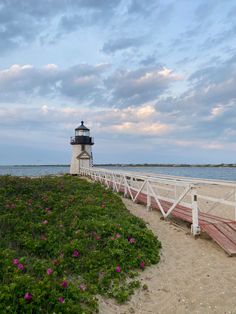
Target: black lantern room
{"points": [[82, 136]]}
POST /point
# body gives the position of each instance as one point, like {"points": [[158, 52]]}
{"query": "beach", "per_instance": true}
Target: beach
{"points": [[193, 276]]}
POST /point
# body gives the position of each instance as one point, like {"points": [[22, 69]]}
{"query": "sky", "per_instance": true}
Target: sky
{"points": [[154, 80]]}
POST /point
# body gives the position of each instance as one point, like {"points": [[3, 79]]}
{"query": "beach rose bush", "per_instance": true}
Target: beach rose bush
{"points": [[63, 242]]}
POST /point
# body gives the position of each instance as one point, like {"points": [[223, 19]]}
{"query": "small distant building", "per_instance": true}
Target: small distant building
{"points": [[82, 156]]}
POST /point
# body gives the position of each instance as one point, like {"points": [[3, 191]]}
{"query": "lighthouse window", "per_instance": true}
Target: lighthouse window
{"points": [[81, 133], [83, 147]]}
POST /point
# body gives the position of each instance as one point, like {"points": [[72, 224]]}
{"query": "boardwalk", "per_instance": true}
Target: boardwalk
{"points": [[178, 199], [222, 231]]}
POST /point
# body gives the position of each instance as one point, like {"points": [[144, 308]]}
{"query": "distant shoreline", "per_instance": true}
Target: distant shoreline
{"points": [[137, 165], [168, 165]]}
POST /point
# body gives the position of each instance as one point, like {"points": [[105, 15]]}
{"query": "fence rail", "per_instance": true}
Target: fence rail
{"points": [[199, 195]]}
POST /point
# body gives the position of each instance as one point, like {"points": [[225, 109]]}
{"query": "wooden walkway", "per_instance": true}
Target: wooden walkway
{"points": [[222, 231]]}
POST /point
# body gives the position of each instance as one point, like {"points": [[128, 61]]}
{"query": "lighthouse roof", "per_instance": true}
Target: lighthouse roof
{"points": [[82, 127]]}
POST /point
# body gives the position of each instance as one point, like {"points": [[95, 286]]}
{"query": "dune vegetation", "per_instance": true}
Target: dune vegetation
{"points": [[64, 241]]}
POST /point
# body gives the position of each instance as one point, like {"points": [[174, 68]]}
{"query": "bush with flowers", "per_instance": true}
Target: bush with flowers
{"points": [[63, 242]]}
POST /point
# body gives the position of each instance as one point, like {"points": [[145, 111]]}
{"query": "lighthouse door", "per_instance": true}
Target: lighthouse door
{"points": [[84, 163]]}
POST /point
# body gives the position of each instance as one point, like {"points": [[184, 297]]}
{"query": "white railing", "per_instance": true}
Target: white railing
{"points": [[212, 192], [199, 195]]}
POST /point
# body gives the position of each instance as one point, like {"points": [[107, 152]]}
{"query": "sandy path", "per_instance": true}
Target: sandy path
{"points": [[193, 276]]}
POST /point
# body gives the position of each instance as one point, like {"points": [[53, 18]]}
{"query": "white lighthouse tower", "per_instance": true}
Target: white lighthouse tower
{"points": [[81, 149]]}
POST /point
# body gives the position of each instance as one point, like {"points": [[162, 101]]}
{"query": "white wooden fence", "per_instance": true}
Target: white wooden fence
{"points": [[207, 196]]}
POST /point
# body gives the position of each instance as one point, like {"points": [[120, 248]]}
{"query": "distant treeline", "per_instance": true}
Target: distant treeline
{"points": [[134, 165], [165, 165]]}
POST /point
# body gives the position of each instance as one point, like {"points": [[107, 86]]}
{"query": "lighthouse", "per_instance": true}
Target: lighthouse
{"points": [[81, 149]]}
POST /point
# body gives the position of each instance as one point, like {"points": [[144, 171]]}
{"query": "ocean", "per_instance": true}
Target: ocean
{"points": [[217, 173]]}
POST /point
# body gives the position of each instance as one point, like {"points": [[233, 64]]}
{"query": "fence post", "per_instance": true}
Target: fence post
{"points": [[148, 197], [113, 182], [235, 203], [175, 192], [125, 187], [195, 228]]}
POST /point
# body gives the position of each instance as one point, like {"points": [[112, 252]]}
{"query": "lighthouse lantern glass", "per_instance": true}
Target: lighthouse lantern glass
{"points": [[81, 133]]}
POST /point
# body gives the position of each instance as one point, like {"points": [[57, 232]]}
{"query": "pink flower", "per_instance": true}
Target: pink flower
{"points": [[15, 261], [48, 210], [64, 284], [49, 271], [82, 287], [42, 237], [118, 269], [142, 264], [75, 253], [61, 300], [118, 235], [97, 237], [28, 296], [45, 222], [20, 266], [132, 240]]}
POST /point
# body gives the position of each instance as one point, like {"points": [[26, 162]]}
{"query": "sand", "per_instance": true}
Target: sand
{"points": [[193, 276]]}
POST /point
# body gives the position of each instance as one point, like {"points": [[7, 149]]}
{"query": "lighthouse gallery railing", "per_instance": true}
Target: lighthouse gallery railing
{"points": [[175, 190]]}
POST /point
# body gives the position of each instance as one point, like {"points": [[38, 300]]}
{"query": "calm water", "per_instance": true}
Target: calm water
{"points": [[219, 173], [33, 170], [222, 173]]}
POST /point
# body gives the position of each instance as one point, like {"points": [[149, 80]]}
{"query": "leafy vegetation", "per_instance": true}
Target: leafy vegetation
{"points": [[63, 241]]}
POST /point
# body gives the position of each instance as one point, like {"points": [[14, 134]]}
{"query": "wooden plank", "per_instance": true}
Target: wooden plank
{"points": [[185, 213], [232, 225], [227, 231], [200, 213], [221, 230], [203, 217], [182, 216], [217, 218], [220, 239]]}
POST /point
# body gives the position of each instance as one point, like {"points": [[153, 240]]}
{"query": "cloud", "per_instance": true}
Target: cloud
{"points": [[139, 86], [215, 84], [149, 129], [149, 60], [220, 38], [80, 82], [216, 112], [209, 145], [208, 108], [144, 8], [117, 126], [22, 22], [119, 44], [205, 9], [91, 85]]}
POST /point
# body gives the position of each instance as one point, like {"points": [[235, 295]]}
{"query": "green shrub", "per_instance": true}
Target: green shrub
{"points": [[63, 241]]}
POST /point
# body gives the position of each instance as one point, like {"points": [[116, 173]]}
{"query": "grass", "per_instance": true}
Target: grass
{"points": [[63, 241]]}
